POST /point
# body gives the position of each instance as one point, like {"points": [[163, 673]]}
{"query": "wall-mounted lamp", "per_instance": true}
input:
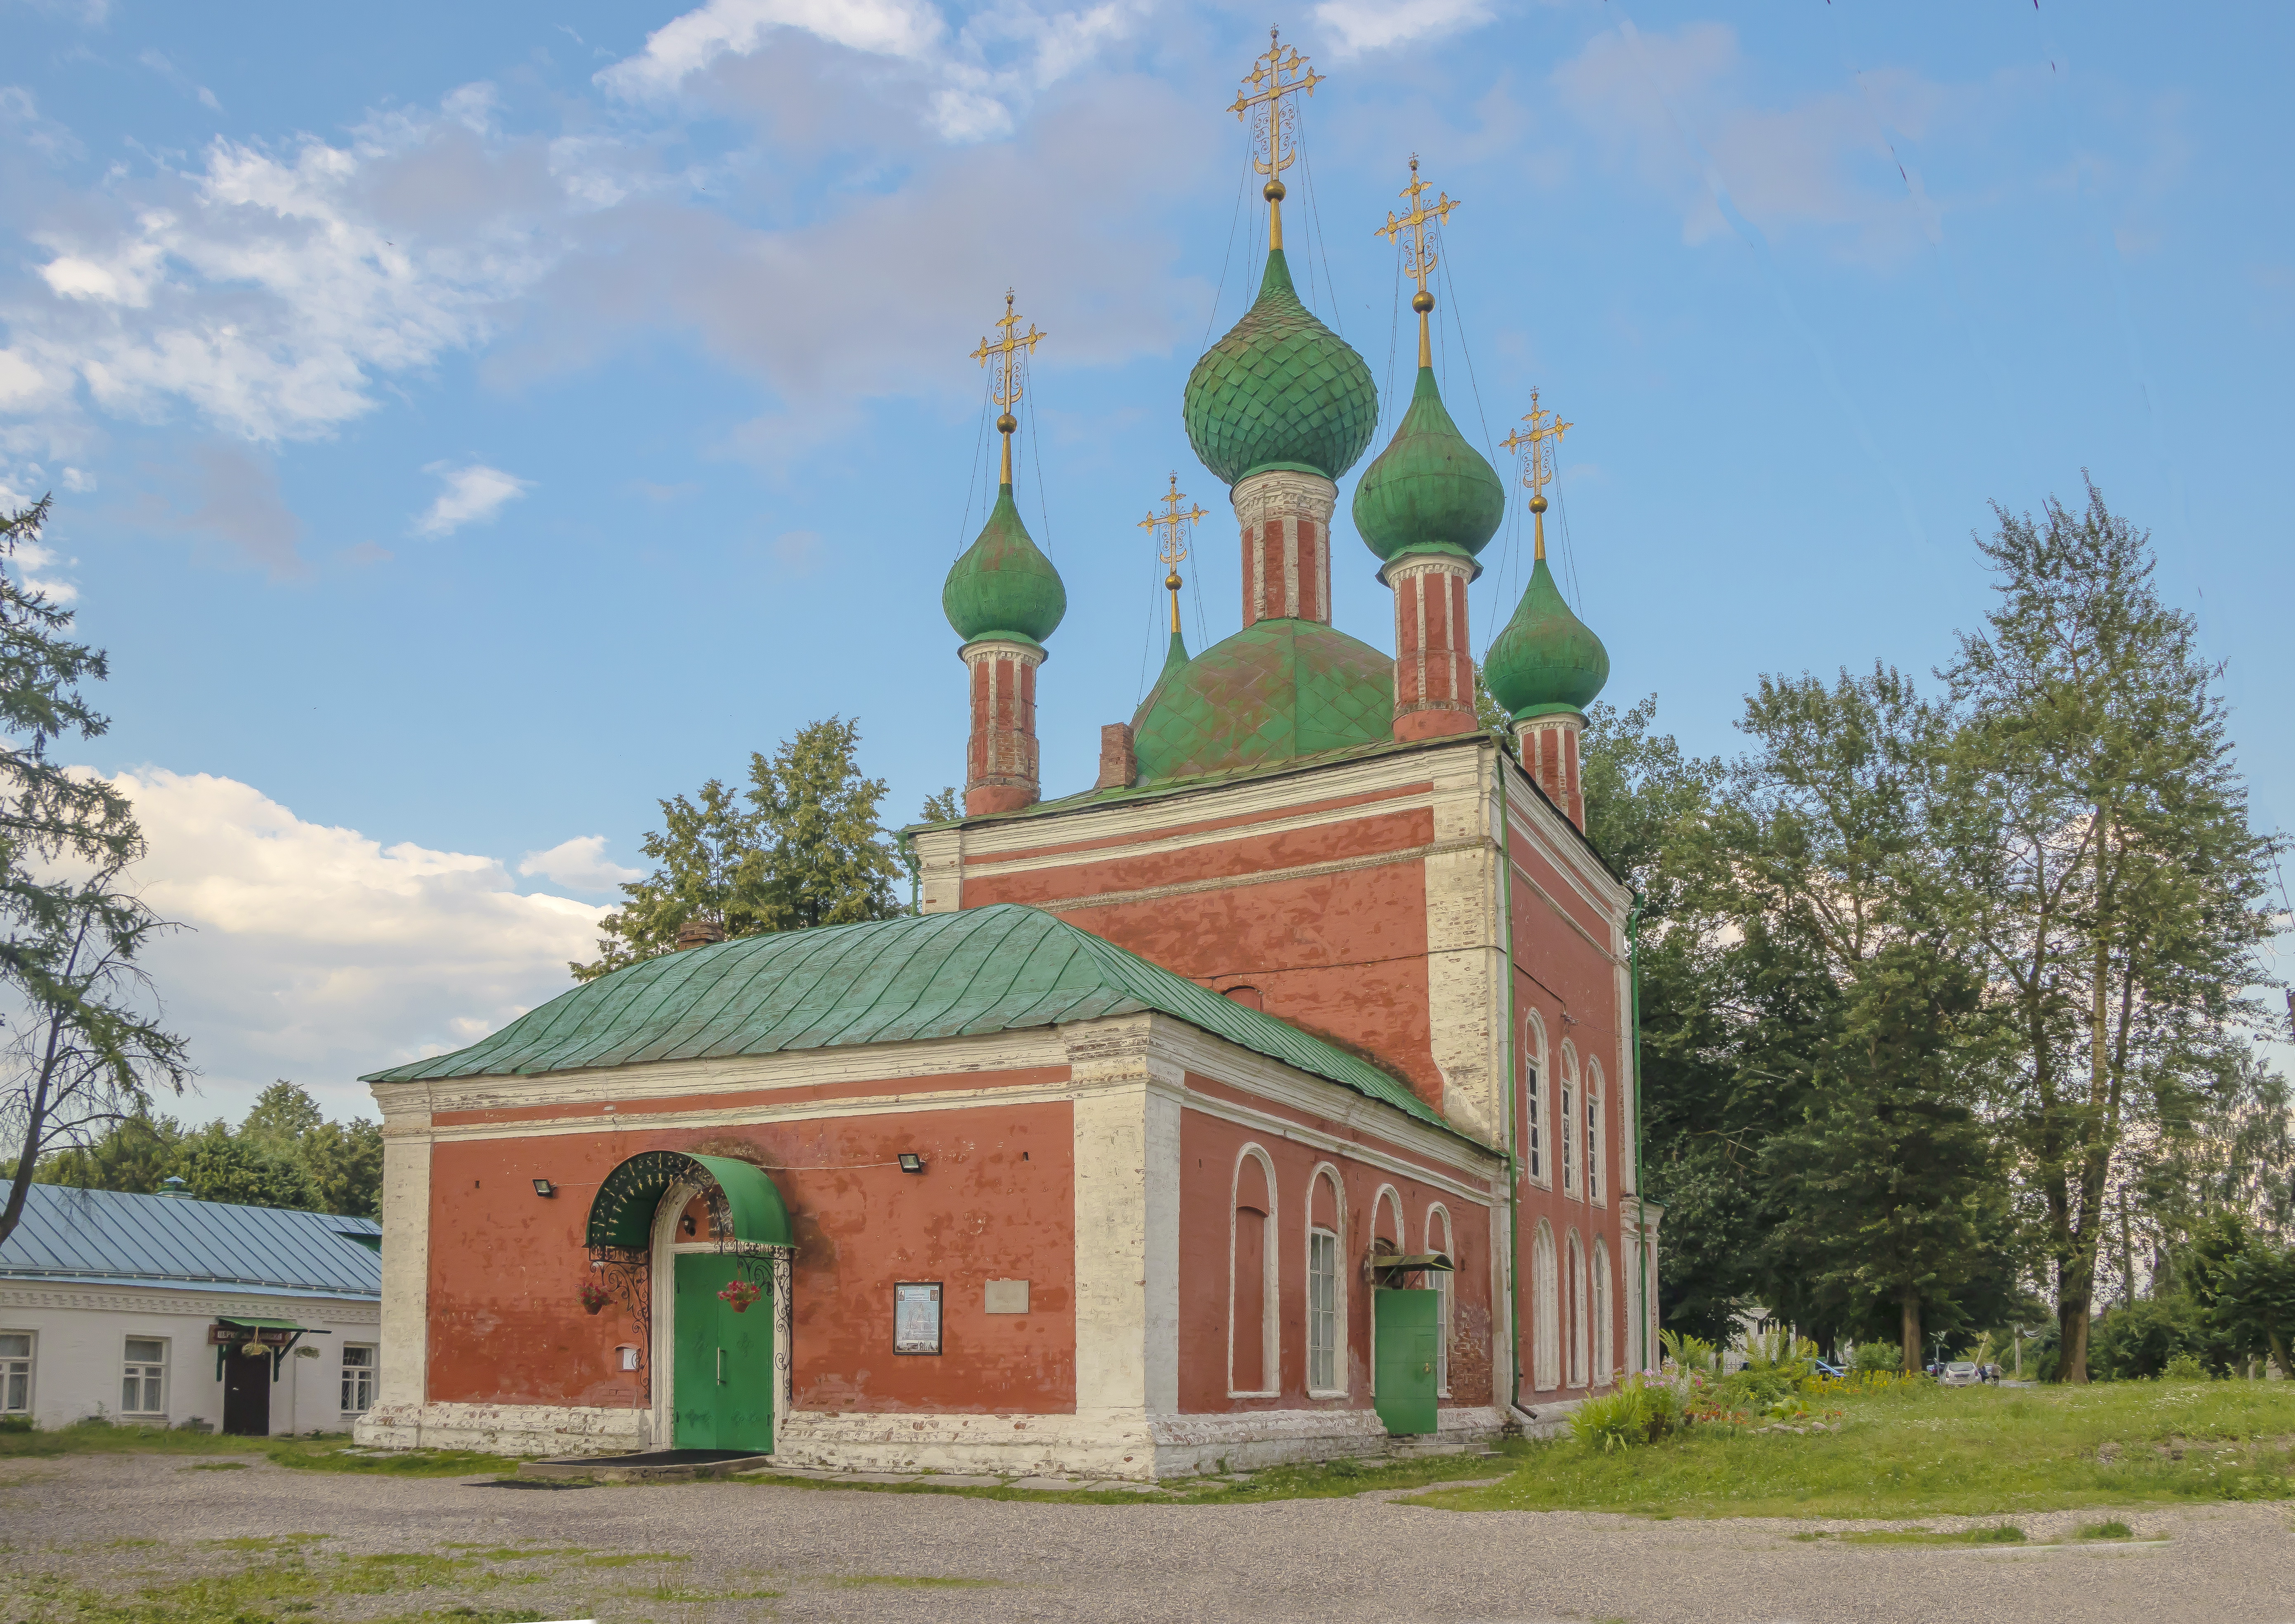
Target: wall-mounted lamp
{"points": [[911, 1162], [545, 1188]]}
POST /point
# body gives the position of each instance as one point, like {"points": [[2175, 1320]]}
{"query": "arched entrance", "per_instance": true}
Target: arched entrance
{"points": [[711, 1303]]}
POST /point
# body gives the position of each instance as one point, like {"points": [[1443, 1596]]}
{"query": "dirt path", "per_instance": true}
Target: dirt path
{"points": [[842, 1555]]}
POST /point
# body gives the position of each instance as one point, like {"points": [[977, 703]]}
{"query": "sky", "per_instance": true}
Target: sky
{"points": [[470, 424]]}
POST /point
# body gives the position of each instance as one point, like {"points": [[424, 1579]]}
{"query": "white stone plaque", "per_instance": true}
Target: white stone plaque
{"points": [[1007, 1296]]}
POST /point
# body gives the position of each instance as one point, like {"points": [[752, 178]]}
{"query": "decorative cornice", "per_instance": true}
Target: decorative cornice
{"points": [[160, 1300]]}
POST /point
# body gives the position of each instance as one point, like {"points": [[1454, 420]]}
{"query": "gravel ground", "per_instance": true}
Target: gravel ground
{"points": [[834, 1553]]}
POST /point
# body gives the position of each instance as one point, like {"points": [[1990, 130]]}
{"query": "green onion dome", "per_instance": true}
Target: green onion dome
{"points": [[1280, 390], [1545, 660], [1004, 587], [1276, 689], [1429, 491]]}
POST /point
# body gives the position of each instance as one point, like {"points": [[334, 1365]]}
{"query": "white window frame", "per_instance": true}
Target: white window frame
{"points": [[1271, 1313], [14, 1367], [1565, 1114], [141, 1372], [1546, 1312], [1438, 1239], [1595, 1093], [1331, 1317], [1578, 1350], [360, 1375], [1537, 1139]]}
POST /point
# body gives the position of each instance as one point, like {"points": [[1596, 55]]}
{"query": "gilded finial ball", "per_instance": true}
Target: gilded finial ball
{"points": [[1538, 504], [1273, 191], [1007, 423], [1422, 301], [1171, 582]]}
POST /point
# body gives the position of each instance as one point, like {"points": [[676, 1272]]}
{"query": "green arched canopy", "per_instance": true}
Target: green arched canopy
{"points": [[744, 1200]]}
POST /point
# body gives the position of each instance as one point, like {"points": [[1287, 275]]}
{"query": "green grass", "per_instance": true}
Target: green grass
{"points": [[1334, 1479], [1987, 1533], [2113, 1530], [1921, 1450], [331, 1452]]}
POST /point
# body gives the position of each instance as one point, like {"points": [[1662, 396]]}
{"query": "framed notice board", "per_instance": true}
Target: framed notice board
{"points": [[916, 1317]]}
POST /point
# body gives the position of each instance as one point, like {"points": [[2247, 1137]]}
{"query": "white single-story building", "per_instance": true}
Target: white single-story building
{"points": [[162, 1311]]}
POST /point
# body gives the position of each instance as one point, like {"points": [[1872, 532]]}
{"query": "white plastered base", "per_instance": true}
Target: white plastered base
{"points": [[505, 1429]]}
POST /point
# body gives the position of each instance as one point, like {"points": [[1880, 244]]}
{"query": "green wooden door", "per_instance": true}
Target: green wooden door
{"points": [[723, 1370], [1403, 1383]]}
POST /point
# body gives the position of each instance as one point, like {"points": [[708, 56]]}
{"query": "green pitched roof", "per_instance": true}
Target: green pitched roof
{"points": [[1279, 390], [1545, 659], [1003, 585], [1000, 969], [1429, 491], [1275, 690]]}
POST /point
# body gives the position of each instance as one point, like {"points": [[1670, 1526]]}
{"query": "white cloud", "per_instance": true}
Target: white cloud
{"points": [[579, 864], [689, 43], [473, 495], [317, 953], [1357, 26]]}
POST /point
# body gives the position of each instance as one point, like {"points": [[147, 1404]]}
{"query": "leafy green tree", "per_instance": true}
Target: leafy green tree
{"points": [[2100, 835], [216, 1165], [2244, 1286], [282, 1117], [801, 847], [344, 1162], [137, 1153], [83, 1048]]}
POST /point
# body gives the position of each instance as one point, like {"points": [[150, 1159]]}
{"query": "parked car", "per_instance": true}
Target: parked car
{"points": [[1961, 1372]]}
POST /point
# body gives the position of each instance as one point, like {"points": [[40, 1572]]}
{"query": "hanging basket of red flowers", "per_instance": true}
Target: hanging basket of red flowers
{"points": [[739, 1293], [593, 1297]]}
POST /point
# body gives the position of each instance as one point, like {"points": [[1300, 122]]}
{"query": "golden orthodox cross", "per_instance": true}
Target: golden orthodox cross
{"points": [[1169, 529], [1004, 386], [1418, 261], [1267, 86], [1545, 432]]}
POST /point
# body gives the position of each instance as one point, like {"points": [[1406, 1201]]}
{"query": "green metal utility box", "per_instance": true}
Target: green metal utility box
{"points": [[1409, 1326]]}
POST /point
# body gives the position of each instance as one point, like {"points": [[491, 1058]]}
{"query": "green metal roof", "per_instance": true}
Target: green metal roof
{"points": [[1429, 491], [1545, 659], [1277, 688], [1279, 390], [1000, 969]]}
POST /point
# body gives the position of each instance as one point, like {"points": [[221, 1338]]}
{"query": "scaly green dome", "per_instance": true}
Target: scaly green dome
{"points": [[1545, 660], [1280, 390], [1276, 689], [1429, 491], [1003, 586]]}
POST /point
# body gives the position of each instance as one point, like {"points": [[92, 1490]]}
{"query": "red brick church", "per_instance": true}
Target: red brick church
{"points": [[1273, 1097]]}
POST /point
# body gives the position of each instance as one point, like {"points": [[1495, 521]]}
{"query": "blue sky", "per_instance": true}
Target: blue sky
{"points": [[470, 424]]}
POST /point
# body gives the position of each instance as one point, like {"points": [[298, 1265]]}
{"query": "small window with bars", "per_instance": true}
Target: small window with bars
{"points": [[143, 1381], [15, 1373], [358, 1379]]}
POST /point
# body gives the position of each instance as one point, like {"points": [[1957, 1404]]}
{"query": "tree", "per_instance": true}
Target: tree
{"points": [[331, 1167], [282, 1118], [85, 1049], [344, 1162], [218, 1165], [799, 848], [2101, 836], [136, 1155]]}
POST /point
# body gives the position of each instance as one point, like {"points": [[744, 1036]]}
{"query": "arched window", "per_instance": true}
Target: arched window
{"points": [[1605, 1335], [1327, 1286], [1534, 1135], [1387, 1221], [1546, 1314], [1566, 1120], [1438, 1239], [1578, 1349], [1254, 1273], [1594, 1092]]}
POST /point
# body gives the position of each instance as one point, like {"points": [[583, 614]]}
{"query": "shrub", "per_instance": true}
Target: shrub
{"points": [[1636, 1413], [1873, 1357], [15, 1424], [2184, 1367]]}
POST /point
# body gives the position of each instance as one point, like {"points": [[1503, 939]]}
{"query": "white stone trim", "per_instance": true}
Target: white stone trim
{"points": [[505, 1429], [1283, 496], [1270, 1269], [402, 1378], [1162, 845], [159, 1298]]}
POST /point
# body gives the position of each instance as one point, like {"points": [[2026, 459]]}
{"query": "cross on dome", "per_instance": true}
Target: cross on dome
{"points": [[1268, 87], [1419, 260], [1536, 449], [1004, 386], [1170, 528]]}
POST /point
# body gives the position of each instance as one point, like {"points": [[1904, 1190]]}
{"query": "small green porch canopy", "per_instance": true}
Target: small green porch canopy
{"points": [[621, 1215]]}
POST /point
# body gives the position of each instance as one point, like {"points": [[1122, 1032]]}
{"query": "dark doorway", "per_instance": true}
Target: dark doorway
{"points": [[246, 1395]]}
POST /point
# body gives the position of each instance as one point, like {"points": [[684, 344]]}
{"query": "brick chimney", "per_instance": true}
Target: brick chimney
{"points": [[1119, 760]]}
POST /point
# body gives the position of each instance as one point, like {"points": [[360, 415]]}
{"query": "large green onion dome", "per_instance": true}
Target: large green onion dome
{"points": [[1545, 659], [1429, 491], [1280, 390], [1003, 585], [1276, 689]]}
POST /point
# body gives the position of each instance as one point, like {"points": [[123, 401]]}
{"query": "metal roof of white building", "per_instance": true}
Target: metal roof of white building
{"points": [[106, 1237]]}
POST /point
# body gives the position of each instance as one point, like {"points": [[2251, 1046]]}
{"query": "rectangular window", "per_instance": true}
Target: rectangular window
{"points": [[1593, 1146], [358, 1379], [15, 1372], [1441, 1332], [1535, 1145], [142, 1384], [1322, 1312], [1569, 1144]]}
